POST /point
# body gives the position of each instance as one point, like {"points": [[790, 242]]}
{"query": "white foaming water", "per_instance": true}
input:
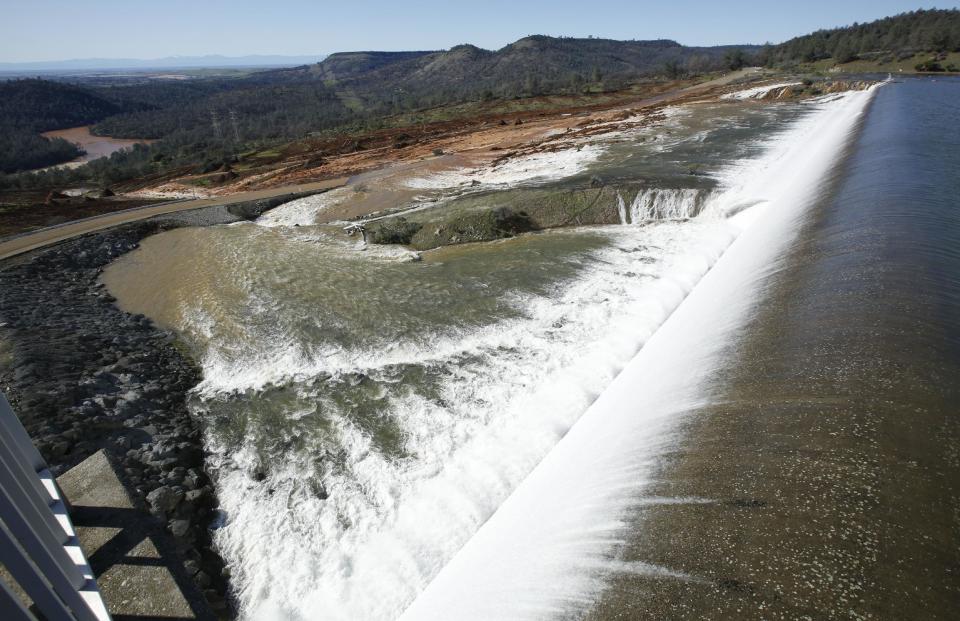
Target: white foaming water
{"points": [[537, 166], [364, 552], [549, 547], [663, 204], [758, 92], [304, 211]]}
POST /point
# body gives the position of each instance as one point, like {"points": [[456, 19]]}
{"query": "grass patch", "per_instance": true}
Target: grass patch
{"points": [[880, 65], [267, 154]]}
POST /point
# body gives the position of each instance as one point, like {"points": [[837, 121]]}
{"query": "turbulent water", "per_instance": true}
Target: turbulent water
{"points": [[368, 409], [553, 547]]}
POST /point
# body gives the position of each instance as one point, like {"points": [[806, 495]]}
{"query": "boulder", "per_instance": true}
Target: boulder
{"points": [[164, 499], [179, 528]]}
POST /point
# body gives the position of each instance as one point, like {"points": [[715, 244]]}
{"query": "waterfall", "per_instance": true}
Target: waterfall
{"points": [[663, 204], [622, 209]]}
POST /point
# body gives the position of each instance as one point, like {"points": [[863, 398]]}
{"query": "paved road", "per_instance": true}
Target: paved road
{"points": [[59, 233]]}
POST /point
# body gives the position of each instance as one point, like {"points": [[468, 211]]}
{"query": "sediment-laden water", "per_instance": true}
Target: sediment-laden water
{"points": [[369, 408]]}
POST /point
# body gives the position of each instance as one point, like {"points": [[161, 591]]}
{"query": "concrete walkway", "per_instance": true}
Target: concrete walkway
{"points": [[139, 574], [63, 232]]}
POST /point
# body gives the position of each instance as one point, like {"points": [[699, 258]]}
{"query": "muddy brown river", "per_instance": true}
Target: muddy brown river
{"points": [[95, 146]]}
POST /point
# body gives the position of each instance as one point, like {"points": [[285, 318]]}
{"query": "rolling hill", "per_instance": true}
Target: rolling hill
{"points": [[533, 65]]}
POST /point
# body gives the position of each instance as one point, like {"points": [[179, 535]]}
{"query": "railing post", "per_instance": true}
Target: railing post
{"points": [[33, 497], [11, 428], [12, 606], [31, 579], [33, 539]]}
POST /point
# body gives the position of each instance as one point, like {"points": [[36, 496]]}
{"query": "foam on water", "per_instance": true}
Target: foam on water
{"points": [[534, 167], [304, 211], [549, 547], [663, 204], [513, 390], [758, 92]]}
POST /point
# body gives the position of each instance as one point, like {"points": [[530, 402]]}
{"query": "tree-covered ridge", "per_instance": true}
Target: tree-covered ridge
{"points": [[241, 112], [22, 150], [917, 31], [29, 107], [40, 105], [531, 66], [355, 89], [345, 65]]}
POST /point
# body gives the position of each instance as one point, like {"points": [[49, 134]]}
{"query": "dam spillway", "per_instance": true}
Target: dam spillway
{"points": [[354, 397]]}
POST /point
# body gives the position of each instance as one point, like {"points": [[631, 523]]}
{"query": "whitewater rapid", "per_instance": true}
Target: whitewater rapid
{"points": [[548, 549], [513, 390]]}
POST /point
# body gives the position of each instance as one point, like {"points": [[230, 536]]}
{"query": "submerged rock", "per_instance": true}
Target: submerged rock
{"points": [[497, 215], [392, 231], [496, 223]]}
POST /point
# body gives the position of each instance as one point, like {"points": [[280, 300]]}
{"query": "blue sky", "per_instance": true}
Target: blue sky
{"points": [[33, 30]]}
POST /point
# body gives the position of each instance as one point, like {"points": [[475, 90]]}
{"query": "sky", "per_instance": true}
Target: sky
{"points": [[43, 30]]}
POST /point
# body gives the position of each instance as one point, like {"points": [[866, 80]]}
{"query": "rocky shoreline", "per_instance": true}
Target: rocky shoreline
{"points": [[84, 375]]}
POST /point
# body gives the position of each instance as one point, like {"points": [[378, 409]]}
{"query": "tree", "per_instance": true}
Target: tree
{"points": [[844, 53], [674, 70], [735, 59], [764, 57], [941, 40]]}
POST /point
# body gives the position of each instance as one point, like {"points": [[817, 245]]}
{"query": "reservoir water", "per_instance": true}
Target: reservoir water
{"points": [[368, 409], [94, 146]]}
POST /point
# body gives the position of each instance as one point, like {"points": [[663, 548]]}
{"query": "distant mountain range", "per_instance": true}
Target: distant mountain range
{"points": [[170, 62]]}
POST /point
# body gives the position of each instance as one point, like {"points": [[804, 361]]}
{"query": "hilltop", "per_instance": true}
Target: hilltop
{"points": [[533, 65]]}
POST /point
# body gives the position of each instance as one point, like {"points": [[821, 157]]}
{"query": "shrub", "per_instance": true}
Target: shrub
{"points": [[929, 66], [394, 231]]}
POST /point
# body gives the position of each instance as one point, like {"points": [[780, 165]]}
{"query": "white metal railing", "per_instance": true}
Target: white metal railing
{"points": [[38, 545]]}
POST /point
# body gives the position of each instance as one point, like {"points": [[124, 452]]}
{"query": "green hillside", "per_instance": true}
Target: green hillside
{"points": [[41, 105], [28, 107], [892, 38]]}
